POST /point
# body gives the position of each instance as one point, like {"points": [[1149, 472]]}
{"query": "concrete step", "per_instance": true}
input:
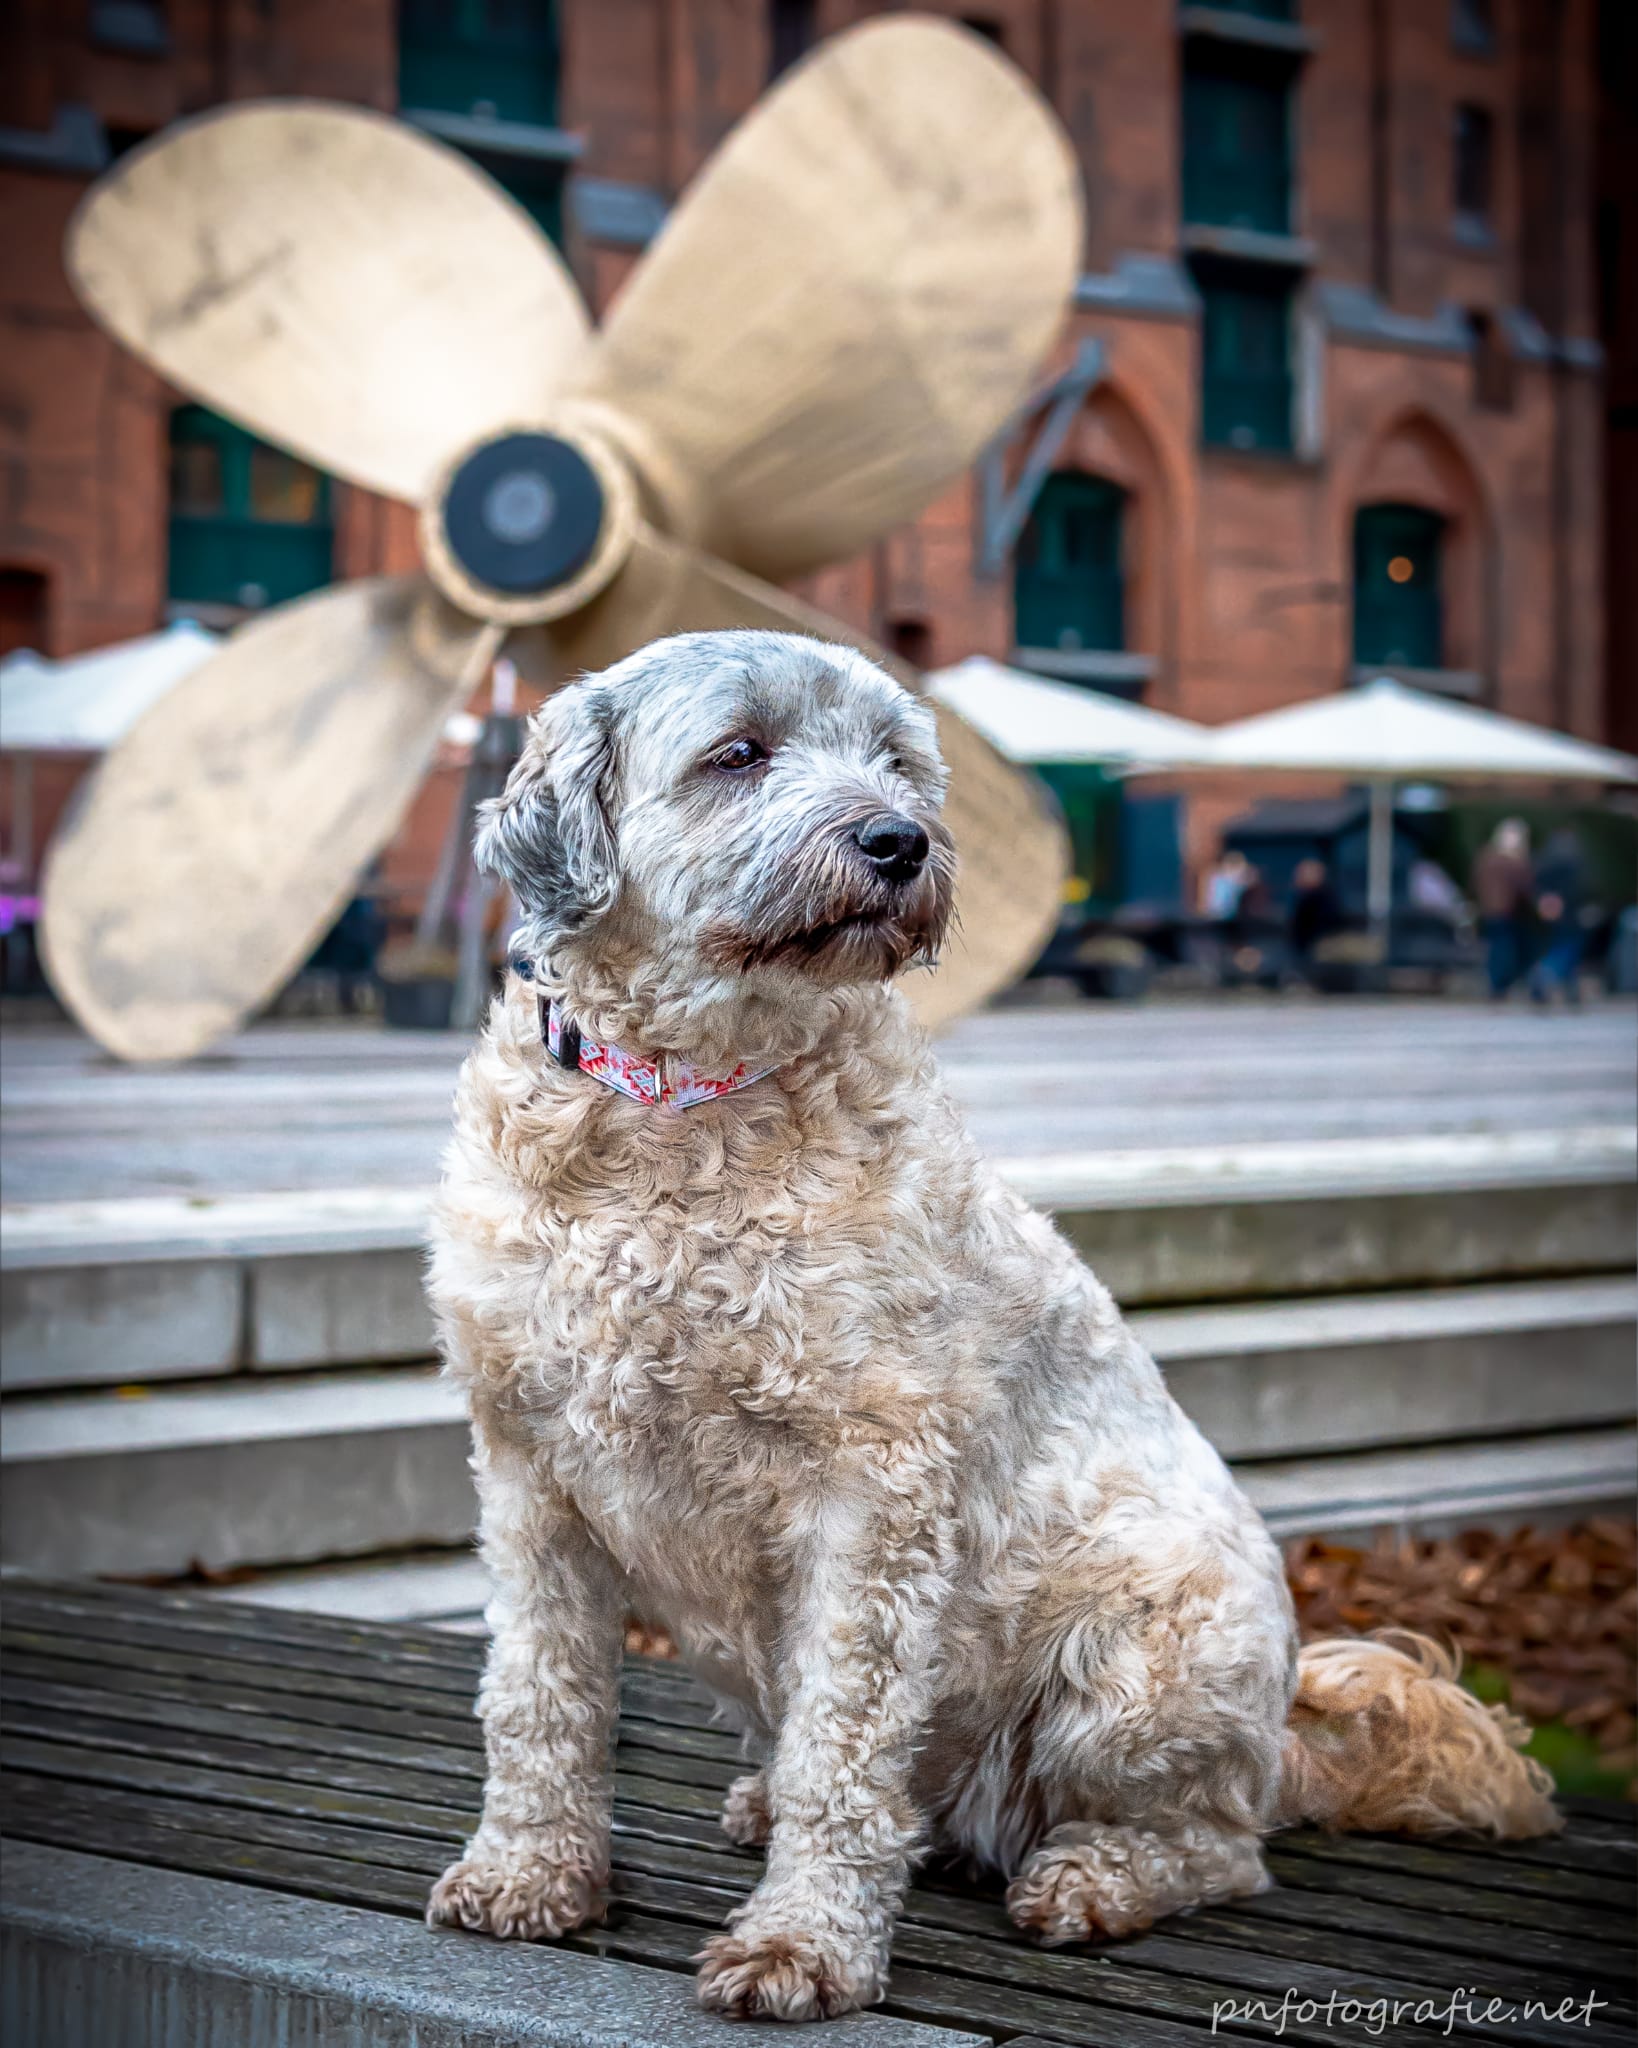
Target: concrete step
{"points": [[249, 1472], [344, 1464], [1439, 1489], [1353, 1372], [1433, 1490], [152, 1288]]}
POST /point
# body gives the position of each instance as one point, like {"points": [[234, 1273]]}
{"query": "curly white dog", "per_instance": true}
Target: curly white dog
{"points": [[755, 1342]]}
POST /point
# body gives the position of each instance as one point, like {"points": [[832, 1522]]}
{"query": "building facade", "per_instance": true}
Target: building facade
{"points": [[1331, 399]]}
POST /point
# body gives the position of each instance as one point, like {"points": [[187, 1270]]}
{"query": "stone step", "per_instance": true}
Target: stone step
{"points": [[1358, 1372], [1433, 1490], [152, 1288], [1440, 1489], [333, 1464], [343, 1464]]}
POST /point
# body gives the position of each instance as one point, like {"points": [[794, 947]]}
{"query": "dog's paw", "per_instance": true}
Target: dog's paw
{"points": [[1086, 1882], [745, 1816], [1058, 1897], [785, 1976], [516, 1896]]}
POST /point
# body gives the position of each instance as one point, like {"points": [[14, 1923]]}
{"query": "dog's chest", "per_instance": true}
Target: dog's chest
{"points": [[747, 1304], [692, 1319]]}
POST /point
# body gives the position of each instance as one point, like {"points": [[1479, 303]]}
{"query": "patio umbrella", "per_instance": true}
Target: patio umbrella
{"points": [[1029, 720], [1383, 733], [86, 703]]}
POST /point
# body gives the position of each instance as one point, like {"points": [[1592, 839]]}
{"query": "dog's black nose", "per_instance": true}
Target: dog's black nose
{"points": [[895, 846]]}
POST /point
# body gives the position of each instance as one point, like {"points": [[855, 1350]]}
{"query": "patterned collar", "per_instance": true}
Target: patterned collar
{"points": [[664, 1083]]}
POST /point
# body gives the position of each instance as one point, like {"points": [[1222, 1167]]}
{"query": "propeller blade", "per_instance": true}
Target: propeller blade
{"points": [[332, 280], [850, 299], [223, 835], [1013, 851]]}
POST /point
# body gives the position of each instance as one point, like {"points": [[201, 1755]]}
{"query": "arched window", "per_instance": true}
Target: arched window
{"points": [[1068, 579], [1398, 599], [249, 525]]}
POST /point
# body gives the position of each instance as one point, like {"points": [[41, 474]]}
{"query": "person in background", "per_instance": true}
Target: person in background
{"points": [[1316, 912], [1226, 884], [1502, 886], [1561, 893]]}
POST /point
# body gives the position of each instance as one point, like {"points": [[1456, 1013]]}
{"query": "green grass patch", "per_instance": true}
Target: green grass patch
{"points": [[1570, 1754]]}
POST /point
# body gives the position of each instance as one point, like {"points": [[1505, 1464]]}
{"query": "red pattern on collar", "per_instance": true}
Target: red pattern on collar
{"points": [[663, 1084]]}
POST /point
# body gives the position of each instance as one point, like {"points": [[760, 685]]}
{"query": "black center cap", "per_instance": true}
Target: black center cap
{"points": [[523, 513]]}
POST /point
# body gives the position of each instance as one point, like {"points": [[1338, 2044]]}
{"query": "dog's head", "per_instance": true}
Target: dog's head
{"points": [[747, 808]]}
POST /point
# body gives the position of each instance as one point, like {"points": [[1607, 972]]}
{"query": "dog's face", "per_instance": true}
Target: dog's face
{"points": [[753, 806]]}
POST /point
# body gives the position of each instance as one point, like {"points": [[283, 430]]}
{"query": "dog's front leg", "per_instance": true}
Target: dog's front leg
{"points": [[539, 1861], [812, 1940]]}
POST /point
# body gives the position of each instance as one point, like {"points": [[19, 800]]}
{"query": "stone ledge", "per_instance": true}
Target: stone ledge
{"points": [[100, 1951]]}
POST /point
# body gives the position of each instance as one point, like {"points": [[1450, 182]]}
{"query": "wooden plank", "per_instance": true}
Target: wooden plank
{"points": [[30, 1703], [707, 1900], [1097, 1979], [1154, 1973], [1611, 1854], [140, 1667], [348, 1883], [1223, 1927], [1611, 1930], [160, 1632], [248, 1688], [373, 1773], [254, 1791], [1451, 1865], [664, 1694], [36, 1806], [318, 1793], [97, 1733]]}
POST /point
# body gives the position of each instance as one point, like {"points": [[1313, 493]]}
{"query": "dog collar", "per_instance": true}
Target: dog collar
{"points": [[666, 1083]]}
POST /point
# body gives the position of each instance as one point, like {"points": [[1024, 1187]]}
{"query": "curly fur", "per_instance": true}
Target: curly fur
{"points": [[796, 1375]]}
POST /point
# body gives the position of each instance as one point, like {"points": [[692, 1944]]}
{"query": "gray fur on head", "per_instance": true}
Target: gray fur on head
{"points": [[673, 897], [548, 834]]}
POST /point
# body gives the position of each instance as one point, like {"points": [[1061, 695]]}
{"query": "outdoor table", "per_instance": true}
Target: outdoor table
{"points": [[235, 1813]]}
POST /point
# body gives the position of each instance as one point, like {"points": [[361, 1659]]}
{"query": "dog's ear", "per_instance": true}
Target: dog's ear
{"points": [[548, 834]]}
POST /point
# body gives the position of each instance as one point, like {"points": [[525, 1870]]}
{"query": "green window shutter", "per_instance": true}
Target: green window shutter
{"points": [[487, 57], [1245, 361], [1398, 601], [490, 59], [249, 524], [1068, 576], [1237, 144]]}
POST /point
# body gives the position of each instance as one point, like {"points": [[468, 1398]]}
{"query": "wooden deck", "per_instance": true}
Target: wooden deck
{"points": [[340, 1761]]}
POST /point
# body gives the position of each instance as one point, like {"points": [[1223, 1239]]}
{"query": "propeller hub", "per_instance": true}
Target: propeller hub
{"points": [[522, 513], [528, 525]]}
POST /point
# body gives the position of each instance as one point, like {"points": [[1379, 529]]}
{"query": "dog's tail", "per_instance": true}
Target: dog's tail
{"points": [[1381, 1737]]}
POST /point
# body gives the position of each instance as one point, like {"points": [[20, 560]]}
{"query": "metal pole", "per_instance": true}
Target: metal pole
{"points": [[1379, 870]]}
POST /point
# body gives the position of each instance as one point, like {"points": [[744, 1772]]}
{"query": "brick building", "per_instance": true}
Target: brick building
{"points": [[1332, 396]]}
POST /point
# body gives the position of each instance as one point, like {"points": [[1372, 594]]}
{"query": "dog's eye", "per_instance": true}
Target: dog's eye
{"points": [[738, 756]]}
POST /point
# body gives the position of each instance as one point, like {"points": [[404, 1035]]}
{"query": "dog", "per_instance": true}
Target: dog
{"points": [[756, 1344]]}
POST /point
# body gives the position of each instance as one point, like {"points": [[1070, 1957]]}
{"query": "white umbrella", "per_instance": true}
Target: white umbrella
{"points": [[1034, 721], [83, 705], [1383, 733]]}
